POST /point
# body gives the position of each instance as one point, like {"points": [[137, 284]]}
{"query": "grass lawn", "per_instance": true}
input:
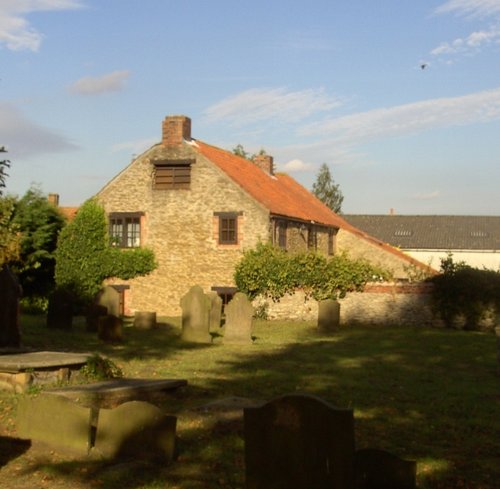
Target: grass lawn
{"points": [[430, 395]]}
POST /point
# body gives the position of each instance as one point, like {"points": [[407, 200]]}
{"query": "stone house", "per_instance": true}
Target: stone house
{"points": [[200, 207]]}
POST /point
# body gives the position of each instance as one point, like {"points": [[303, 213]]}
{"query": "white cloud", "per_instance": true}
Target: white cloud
{"points": [[471, 8], [24, 138], [260, 104], [473, 42], [295, 165], [16, 32], [95, 85], [410, 118]]}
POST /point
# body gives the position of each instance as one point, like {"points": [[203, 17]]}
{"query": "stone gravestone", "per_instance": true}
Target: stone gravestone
{"points": [[378, 469], [10, 291], [215, 318], [195, 316], [54, 420], [110, 298], [136, 430], [145, 320], [239, 316], [328, 316], [60, 310], [299, 442]]}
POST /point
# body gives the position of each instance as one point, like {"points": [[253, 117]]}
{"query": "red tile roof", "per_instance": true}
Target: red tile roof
{"points": [[279, 193]]}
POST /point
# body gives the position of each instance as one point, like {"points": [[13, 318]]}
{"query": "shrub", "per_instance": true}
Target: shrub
{"points": [[84, 258], [100, 368], [461, 290], [271, 272]]}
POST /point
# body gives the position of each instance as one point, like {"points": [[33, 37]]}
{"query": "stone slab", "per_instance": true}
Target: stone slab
{"points": [[117, 391], [41, 360]]}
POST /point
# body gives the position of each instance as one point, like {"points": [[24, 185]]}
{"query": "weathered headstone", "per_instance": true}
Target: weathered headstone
{"points": [[299, 442], [94, 312], [110, 329], [10, 292], [54, 420], [195, 316], [378, 469], [239, 317], [109, 297], [145, 320], [136, 429], [215, 317], [60, 310], [328, 316]]}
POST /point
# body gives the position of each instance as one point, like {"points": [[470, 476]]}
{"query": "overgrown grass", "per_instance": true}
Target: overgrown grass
{"points": [[425, 394]]}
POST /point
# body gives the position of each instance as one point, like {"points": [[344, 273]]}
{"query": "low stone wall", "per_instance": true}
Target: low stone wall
{"points": [[399, 304]]}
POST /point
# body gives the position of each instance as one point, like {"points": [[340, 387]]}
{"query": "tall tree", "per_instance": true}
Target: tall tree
{"points": [[327, 191], [39, 222]]}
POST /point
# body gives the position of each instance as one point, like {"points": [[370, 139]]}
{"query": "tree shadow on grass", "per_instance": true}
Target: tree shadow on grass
{"points": [[11, 448]]}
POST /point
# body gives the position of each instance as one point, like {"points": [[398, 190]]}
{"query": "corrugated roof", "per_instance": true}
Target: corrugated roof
{"points": [[432, 232]]}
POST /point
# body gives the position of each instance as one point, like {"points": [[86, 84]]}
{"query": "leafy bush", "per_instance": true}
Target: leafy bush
{"points": [[100, 368], [84, 258], [461, 290], [271, 272]]}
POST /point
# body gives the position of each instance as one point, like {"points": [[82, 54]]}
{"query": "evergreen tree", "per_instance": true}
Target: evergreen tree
{"points": [[3, 165], [327, 191]]}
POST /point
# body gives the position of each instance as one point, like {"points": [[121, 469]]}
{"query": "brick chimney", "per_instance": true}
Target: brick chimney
{"points": [[264, 162], [175, 129], [53, 199]]}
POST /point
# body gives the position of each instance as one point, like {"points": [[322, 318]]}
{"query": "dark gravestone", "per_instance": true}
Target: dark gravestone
{"points": [[60, 310], [109, 297], [299, 442], [497, 333], [10, 291], [239, 316], [110, 329], [94, 312], [195, 316], [328, 316], [378, 469], [136, 430], [215, 317]]}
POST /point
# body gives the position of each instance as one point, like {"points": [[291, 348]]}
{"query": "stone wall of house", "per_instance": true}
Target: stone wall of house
{"points": [[180, 226], [379, 304], [375, 253]]}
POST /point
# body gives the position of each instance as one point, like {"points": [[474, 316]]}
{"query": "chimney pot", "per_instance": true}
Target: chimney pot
{"points": [[265, 162], [176, 129]]}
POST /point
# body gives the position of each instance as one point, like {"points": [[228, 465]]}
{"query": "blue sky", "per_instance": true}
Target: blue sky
{"points": [[400, 98]]}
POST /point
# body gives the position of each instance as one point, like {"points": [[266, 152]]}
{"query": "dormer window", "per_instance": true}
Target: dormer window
{"points": [[172, 174]]}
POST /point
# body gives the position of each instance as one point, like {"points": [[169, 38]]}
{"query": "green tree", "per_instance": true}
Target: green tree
{"points": [[39, 223], [327, 191], [84, 257], [3, 174], [239, 150]]}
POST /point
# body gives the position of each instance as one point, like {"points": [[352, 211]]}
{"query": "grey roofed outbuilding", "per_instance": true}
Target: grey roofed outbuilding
{"points": [[428, 232]]}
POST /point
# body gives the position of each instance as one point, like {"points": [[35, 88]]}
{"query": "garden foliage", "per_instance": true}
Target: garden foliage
{"points": [[463, 291], [84, 257], [272, 272]]}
